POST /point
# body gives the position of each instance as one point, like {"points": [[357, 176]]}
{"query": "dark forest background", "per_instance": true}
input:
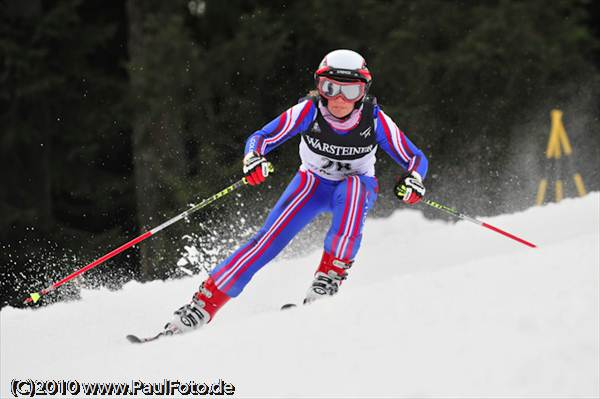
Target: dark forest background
{"points": [[116, 115]]}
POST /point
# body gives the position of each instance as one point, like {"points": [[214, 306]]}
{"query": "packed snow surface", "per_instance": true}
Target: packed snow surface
{"points": [[431, 309]]}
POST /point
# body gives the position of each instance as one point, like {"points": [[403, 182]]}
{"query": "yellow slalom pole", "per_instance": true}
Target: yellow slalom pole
{"points": [[559, 190], [553, 149], [541, 194], [579, 184]]}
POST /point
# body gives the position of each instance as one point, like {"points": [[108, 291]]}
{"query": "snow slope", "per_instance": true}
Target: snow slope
{"points": [[431, 309]]}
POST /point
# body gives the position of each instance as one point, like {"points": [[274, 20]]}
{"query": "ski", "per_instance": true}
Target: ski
{"points": [[288, 306], [134, 339]]}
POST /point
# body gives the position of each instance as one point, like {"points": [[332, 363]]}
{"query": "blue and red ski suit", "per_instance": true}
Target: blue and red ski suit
{"points": [[332, 178]]}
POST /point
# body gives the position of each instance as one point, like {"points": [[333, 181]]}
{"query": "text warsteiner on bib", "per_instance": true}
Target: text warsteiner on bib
{"points": [[360, 141]]}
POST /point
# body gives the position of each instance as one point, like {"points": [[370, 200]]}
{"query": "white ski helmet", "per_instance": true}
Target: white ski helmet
{"points": [[344, 65]]}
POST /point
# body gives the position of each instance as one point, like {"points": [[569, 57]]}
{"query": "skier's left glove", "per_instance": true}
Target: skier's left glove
{"points": [[410, 188], [256, 168]]}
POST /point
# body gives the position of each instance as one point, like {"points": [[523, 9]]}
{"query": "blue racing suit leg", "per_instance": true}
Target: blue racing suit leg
{"points": [[351, 201], [299, 204]]}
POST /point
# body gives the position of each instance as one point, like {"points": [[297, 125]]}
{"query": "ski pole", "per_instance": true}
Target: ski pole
{"points": [[35, 296], [460, 215]]}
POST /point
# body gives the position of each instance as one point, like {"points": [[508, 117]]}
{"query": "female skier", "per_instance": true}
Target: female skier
{"points": [[341, 128]]}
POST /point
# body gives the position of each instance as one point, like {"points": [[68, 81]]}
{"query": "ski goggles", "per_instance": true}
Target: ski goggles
{"points": [[330, 89]]}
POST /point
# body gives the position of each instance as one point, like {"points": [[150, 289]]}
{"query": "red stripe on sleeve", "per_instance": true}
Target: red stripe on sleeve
{"points": [[405, 144], [303, 114], [388, 134]]}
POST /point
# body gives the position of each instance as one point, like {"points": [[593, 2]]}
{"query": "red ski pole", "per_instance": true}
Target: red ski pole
{"points": [[456, 213], [35, 296]]}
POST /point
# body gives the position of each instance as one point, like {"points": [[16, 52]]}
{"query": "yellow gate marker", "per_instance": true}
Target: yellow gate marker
{"points": [[557, 143]]}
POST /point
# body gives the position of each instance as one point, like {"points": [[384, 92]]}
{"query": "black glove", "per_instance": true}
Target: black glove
{"points": [[410, 188]]}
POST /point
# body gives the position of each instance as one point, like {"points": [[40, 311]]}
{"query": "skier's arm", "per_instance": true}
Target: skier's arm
{"points": [[279, 130], [398, 146]]}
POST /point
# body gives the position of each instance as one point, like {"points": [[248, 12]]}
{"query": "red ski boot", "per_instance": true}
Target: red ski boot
{"points": [[328, 277], [205, 303]]}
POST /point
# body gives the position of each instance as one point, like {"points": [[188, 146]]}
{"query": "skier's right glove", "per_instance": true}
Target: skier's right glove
{"points": [[410, 188], [256, 168]]}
